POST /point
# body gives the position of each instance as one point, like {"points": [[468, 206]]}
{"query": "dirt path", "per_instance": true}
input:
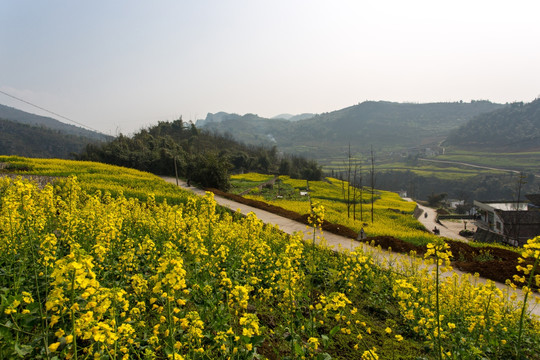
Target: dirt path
{"points": [[381, 257]]}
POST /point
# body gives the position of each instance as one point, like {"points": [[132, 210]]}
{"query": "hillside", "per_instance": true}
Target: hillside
{"points": [[294, 117], [388, 126], [19, 116], [200, 155], [23, 117], [249, 128], [32, 141], [513, 128]]}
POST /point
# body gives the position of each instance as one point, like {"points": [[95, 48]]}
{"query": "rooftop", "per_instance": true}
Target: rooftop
{"points": [[534, 199], [506, 205]]}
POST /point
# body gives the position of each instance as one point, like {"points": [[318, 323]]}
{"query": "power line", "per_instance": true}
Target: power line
{"points": [[50, 112]]}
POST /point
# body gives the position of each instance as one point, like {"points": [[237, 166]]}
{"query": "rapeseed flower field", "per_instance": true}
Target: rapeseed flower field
{"points": [[392, 215], [109, 263]]}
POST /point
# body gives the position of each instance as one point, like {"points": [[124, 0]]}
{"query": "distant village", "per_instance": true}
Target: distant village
{"points": [[505, 222], [510, 222]]}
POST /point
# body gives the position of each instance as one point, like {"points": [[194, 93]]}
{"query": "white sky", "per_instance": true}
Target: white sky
{"points": [[118, 66]]}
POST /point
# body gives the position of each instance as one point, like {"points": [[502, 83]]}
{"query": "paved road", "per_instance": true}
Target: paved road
{"points": [[446, 229], [381, 257]]}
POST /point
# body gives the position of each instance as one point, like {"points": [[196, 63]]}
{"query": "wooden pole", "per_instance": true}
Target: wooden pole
{"points": [[176, 171], [372, 182]]}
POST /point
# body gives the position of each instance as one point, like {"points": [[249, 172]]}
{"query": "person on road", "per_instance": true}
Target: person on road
{"points": [[361, 235]]}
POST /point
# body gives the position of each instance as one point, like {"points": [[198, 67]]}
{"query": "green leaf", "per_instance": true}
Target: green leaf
{"points": [[8, 324], [298, 349], [324, 356], [257, 340], [325, 339], [334, 330], [23, 350]]}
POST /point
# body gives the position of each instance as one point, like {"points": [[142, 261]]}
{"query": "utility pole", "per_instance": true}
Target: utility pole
{"points": [[372, 182], [349, 184], [521, 181], [354, 190], [176, 170], [361, 196]]}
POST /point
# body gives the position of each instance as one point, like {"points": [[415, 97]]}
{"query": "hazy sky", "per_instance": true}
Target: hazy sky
{"points": [[118, 66]]}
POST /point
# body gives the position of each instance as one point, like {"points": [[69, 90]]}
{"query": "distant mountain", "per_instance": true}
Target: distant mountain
{"points": [[26, 134], [249, 128], [513, 128], [294, 117], [302, 117], [19, 116], [216, 118], [282, 116], [32, 141], [388, 126]]}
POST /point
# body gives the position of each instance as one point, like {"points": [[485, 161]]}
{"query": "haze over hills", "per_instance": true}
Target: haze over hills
{"points": [[294, 117], [396, 130], [250, 129], [19, 116], [457, 138], [26, 134], [388, 126]]}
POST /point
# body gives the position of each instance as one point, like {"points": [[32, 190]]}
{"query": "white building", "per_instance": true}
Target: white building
{"points": [[515, 222]]}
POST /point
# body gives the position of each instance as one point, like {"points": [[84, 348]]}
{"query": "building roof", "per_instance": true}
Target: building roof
{"points": [[521, 224], [524, 217], [534, 199], [503, 205]]}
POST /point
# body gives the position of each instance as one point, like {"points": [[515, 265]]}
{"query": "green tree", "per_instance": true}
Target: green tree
{"points": [[436, 199]]}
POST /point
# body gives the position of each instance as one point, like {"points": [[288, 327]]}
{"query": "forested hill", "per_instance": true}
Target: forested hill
{"points": [[201, 156], [249, 128], [32, 141], [385, 125], [19, 116], [514, 128]]}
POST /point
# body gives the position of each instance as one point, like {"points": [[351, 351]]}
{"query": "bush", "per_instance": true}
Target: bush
{"points": [[466, 233]]}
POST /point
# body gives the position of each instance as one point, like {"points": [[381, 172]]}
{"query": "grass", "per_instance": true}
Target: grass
{"points": [[523, 161], [244, 182], [527, 161], [438, 170]]}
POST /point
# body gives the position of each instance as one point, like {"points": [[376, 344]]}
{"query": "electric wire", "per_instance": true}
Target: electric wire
{"points": [[50, 112]]}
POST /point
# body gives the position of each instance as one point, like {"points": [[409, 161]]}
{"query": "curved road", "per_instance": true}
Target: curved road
{"points": [[430, 223], [381, 257]]}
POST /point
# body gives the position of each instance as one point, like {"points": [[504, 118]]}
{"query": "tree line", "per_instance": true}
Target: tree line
{"points": [[200, 156]]}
